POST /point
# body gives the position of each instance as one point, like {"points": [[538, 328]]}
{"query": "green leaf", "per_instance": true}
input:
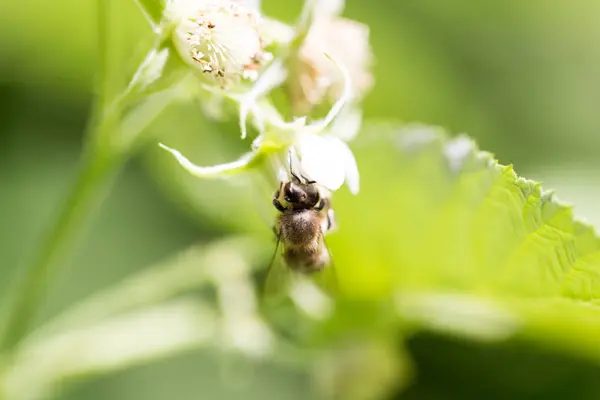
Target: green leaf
{"points": [[441, 238], [464, 245]]}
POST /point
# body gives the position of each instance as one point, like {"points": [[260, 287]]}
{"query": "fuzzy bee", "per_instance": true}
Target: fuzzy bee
{"points": [[304, 218]]}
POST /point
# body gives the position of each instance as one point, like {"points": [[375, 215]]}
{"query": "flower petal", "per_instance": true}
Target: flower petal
{"points": [[346, 96], [329, 8], [272, 77], [335, 165], [215, 171], [322, 159], [347, 125], [254, 4], [350, 167]]}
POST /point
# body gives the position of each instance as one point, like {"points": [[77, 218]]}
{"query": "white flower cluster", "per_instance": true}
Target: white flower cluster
{"points": [[243, 56]]}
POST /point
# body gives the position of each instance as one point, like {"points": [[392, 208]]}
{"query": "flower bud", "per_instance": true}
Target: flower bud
{"points": [[317, 80]]}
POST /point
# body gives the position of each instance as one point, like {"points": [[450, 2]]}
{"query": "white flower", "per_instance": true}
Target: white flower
{"points": [[322, 157], [221, 39], [327, 160], [317, 80], [319, 150], [315, 150]]}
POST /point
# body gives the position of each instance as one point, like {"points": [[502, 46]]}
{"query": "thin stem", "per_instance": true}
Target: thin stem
{"points": [[87, 193], [99, 165], [114, 131], [110, 143], [108, 66], [103, 43]]}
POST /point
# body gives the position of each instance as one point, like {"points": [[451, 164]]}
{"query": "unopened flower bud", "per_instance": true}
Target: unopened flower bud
{"points": [[317, 80]]}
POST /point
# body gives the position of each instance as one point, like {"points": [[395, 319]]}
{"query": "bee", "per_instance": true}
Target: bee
{"points": [[305, 217]]}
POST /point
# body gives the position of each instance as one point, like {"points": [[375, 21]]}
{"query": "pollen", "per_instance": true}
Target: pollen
{"points": [[223, 41]]}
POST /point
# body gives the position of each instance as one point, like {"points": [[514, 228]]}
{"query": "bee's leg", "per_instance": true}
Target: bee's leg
{"points": [[276, 195], [278, 191], [277, 229], [278, 205], [323, 203]]}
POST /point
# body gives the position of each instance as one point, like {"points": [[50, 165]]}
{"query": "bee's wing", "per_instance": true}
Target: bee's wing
{"points": [[326, 278], [279, 276], [262, 195]]}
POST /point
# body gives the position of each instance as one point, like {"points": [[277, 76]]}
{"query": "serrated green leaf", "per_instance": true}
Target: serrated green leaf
{"points": [[446, 215], [464, 244]]}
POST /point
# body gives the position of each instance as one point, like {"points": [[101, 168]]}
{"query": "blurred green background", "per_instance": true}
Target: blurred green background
{"points": [[520, 77]]}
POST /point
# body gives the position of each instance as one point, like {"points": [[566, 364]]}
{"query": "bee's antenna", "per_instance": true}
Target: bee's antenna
{"points": [[304, 179], [291, 166]]}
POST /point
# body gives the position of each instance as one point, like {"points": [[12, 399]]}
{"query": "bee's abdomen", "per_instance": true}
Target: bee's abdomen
{"points": [[301, 228], [306, 261], [302, 236]]}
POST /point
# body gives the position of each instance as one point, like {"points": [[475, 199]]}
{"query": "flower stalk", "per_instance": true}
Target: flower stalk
{"points": [[90, 188], [113, 134]]}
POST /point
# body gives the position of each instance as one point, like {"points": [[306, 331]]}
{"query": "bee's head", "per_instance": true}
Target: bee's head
{"points": [[301, 195]]}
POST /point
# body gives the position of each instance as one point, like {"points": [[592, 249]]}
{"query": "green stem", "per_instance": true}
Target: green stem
{"points": [[91, 186], [113, 138], [115, 126], [99, 166], [102, 84]]}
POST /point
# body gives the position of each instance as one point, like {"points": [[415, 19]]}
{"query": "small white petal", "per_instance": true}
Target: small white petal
{"points": [[345, 97], [214, 171], [347, 125], [272, 77], [352, 176], [274, 31], [329, 7], [281, 173], [253, 4], [180, 9], [321, 159]]}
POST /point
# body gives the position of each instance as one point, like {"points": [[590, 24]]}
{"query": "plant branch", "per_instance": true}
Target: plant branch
{"points": [[103, 43], [90, 188], [113, 135]]}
